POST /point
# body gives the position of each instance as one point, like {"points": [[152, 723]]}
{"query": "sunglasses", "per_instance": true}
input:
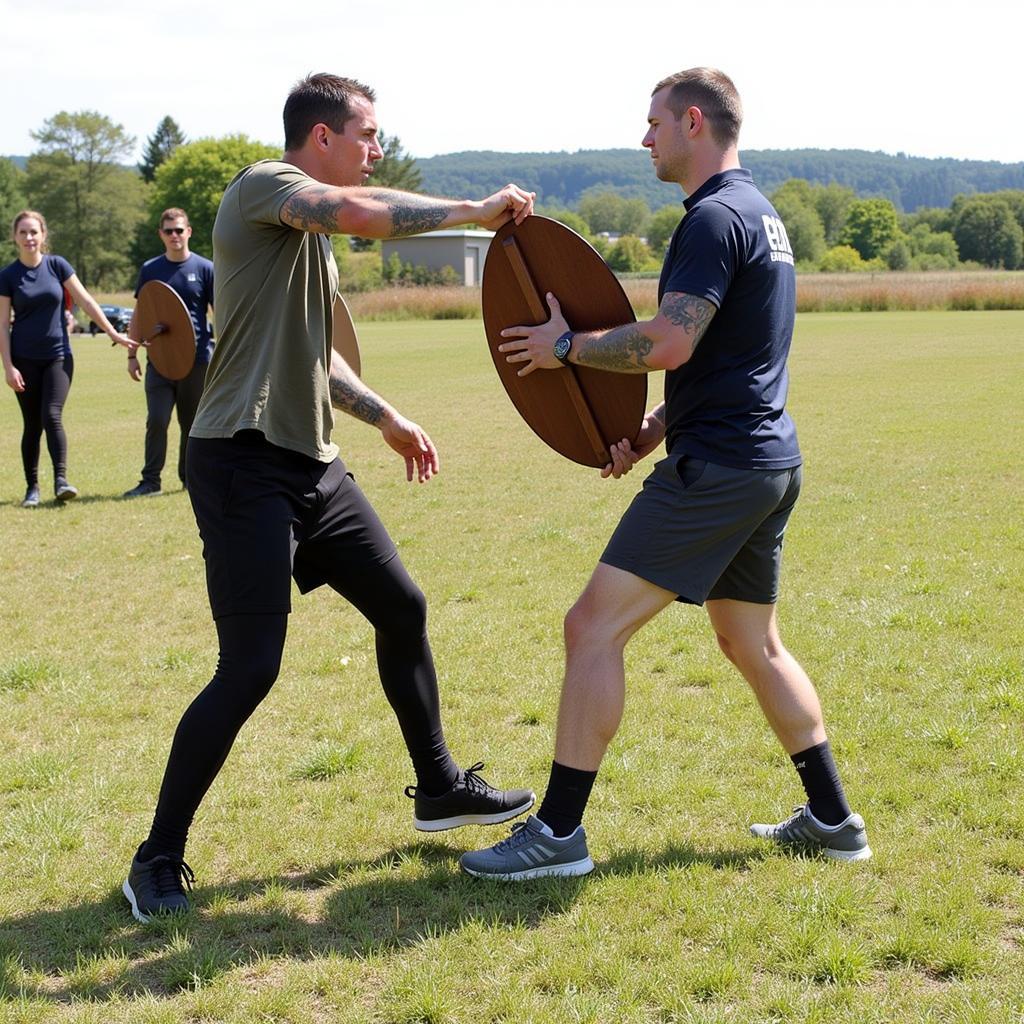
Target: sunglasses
{"points": [[173, 231]]}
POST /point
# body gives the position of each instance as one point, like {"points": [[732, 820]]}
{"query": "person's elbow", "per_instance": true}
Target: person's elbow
{"points": [[670, 351]]}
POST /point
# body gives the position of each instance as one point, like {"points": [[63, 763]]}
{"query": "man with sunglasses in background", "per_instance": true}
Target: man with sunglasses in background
{"points": [[191, 276]]}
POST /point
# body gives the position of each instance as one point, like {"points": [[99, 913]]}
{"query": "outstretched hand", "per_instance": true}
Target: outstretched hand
{"points": [[535, 345], [510, 203], [411, 442]]}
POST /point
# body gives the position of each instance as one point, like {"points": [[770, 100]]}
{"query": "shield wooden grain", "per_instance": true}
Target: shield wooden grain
{"points": [[343, 336], [577, 410], [163, 323]]}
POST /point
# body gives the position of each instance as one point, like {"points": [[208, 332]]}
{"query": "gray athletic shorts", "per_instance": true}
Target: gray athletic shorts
{"points": [[706, 532]]}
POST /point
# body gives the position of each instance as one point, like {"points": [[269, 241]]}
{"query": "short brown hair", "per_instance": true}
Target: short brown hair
{"points": [[317, 99], [173, 213], [19, 217], [714, 93]]}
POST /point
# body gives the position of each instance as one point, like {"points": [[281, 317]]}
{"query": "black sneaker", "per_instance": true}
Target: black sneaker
{"points": [[142, 488], [155, 886], [471, 801], [64, 490], [31, 499]]}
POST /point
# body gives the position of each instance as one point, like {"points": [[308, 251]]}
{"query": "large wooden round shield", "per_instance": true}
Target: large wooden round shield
{"points": [[343, 338], [577, 410], [163, 322]]}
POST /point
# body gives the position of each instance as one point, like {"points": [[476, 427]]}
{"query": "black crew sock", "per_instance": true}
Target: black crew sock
{"points": [[566, 798], [818, 773]]}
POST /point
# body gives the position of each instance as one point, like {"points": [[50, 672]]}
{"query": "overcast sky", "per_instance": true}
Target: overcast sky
{"points": [[927, 79]]}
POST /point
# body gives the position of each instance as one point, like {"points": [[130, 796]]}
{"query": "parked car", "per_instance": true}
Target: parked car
{"points": [[119, 316]]}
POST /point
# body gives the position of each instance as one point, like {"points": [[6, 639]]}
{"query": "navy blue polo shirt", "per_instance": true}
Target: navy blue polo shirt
{"points": [[727, 403], [37, 298], [192, 279]]}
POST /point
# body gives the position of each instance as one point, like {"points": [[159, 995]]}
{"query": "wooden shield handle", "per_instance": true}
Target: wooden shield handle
{"points": [[568, 375]]}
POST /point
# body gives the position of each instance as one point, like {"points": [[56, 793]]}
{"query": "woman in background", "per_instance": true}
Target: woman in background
{"points": [[35, 350]]}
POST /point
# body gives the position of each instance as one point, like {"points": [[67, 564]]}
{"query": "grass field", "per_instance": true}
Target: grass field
{"points": [[317, 902]]}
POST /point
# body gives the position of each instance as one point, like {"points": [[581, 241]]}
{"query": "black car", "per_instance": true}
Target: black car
{"points": [[119, 316]]}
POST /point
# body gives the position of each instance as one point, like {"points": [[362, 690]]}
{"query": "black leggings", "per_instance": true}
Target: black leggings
{"points": [[250, 658], [47, 383]]}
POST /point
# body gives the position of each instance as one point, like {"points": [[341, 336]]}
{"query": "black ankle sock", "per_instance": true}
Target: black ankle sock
{"points": [[818, 773], [566, 798]]}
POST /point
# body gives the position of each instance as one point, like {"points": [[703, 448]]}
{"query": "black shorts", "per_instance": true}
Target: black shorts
{"points": [[707, 532], [267, 514]]}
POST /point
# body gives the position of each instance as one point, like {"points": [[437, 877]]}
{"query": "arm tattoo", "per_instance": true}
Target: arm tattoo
{"points": [[410, 213], [351, 395], [621, 350], [315, 208], [690, 313]]}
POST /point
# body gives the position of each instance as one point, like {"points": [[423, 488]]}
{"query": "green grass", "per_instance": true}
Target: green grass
{"points": [[316, 902]]}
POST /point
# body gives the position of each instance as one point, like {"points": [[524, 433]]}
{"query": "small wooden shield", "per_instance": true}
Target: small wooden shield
{"points": [[577, 410], [343, 338], [162, 320]]}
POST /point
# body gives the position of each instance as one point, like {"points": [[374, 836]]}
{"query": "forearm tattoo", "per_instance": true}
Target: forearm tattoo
{"points": [[315, 208], [410, 213], [688, 312], [622, 350], [350, 395]]}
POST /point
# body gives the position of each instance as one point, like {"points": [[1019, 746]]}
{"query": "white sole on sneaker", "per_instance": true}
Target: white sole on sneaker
{"points": [[570, 870], [443, 824], [130, 896], [848, 856]]}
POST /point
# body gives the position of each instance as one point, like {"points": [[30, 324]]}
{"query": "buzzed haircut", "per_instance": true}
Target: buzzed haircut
{"points": [[320, 98], [173, 213], [714, 93]]}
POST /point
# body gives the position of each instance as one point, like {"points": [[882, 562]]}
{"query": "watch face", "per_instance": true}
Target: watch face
{"points": [[562, 347]]}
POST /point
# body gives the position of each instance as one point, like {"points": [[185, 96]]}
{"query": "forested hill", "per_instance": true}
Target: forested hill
{"points": [[561, 178]]}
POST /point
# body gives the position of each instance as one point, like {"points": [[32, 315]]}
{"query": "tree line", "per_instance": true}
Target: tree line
{"points": [[560, 179], [103, 214]]}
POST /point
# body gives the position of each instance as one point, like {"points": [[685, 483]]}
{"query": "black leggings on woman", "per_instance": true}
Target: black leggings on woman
{"points": [[47, 383], [250, 658]]}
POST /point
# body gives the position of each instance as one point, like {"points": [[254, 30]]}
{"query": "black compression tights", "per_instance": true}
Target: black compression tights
{"points": [[47, 383], [250, 657]]}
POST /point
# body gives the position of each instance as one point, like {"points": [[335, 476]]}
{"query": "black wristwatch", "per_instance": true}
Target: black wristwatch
{"points": [[563, 346]]}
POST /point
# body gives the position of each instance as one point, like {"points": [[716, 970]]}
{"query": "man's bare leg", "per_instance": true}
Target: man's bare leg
{"points": [[749, 637], [612, 607]]}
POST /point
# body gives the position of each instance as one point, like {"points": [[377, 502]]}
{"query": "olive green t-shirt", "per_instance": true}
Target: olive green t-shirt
{"points": [[274, 290]]}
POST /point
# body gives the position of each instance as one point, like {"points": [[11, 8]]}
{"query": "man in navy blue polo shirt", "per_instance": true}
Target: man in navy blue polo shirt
{"points": [[707, 528], [191, 276]]}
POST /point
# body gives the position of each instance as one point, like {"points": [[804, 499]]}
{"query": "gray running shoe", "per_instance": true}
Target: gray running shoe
{"points": [[846, 841], [31, 497], [531, 851], [64, 491]]}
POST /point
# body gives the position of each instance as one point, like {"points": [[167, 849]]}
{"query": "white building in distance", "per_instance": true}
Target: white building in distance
{"points": [[463, 251]]}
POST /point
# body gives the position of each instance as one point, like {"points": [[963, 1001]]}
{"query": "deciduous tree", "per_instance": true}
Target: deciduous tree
{"points": [[12, 201], [194, 177], [91, 203], [872, 225]]}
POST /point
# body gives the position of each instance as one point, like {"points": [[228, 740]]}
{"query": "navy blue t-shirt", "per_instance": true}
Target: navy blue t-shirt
{"points": [[37, 297], [727, 403], [192, 279]]}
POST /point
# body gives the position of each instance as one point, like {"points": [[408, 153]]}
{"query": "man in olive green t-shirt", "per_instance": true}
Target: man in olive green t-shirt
{"points": [[271, 497]]}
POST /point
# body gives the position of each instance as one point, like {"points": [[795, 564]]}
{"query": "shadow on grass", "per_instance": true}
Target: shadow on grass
{"points": [[95, 951]]}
